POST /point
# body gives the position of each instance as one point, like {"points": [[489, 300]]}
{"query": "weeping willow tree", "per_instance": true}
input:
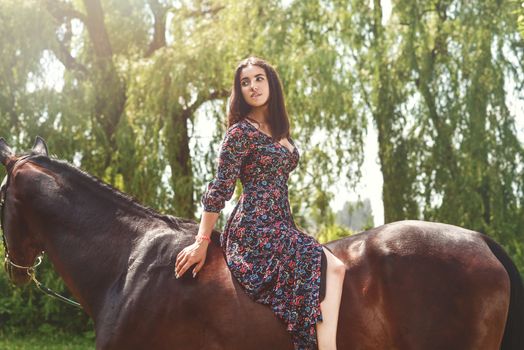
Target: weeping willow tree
{"points": [[520, 15], [439, 80], [135, 76], [119, 87]]}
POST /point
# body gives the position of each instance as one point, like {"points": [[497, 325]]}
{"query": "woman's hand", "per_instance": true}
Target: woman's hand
{"points": [[194, 253]]}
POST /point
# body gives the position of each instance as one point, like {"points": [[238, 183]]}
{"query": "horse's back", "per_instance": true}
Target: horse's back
{"points": [[420, 285], [158, 311]]}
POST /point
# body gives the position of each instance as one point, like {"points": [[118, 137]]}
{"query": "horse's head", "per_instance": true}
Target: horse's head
{"points": [[21, 246]]}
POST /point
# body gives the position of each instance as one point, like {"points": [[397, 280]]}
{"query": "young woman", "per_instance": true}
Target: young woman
{"points": [[274, 262]]}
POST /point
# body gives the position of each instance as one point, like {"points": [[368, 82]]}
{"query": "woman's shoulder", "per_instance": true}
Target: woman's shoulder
{"points": [[239, 130], [239, 126], [239, 134]]}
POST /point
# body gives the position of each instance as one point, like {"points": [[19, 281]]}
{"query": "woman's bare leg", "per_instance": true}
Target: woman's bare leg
{"points": [[327, 329]]}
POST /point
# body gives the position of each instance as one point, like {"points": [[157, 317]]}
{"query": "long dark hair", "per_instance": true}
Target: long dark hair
{"points": [[239, 108]]}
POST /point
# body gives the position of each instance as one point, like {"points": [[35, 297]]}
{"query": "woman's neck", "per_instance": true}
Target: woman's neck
{"points": [[259, 114]]}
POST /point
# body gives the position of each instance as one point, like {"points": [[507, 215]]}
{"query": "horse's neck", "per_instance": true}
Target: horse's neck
{"points": [[91, 253]]}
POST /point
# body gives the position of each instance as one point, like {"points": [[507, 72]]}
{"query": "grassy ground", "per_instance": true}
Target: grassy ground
{"points": [[56, 341]]}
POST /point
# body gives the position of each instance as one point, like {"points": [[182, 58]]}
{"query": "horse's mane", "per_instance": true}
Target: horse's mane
{"points": [[98, 184]]}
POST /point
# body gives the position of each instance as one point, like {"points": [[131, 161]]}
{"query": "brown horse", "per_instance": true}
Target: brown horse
{"points": [[409, 285]]}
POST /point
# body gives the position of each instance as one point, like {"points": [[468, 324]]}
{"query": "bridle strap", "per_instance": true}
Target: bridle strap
{"points": [[3, 191], [31, 272], [35, 265]]}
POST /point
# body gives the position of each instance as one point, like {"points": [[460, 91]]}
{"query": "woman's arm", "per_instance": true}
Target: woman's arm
{"points": [[196, 252], [232, 153]]}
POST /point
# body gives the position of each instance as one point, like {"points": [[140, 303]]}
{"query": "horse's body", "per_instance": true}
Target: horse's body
{"points": [[409, 285]]}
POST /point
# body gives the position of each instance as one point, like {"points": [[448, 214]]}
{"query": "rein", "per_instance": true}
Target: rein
{"points": [[30, 270]]}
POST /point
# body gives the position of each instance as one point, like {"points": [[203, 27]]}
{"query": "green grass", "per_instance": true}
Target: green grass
{"points": [[54, 341]]}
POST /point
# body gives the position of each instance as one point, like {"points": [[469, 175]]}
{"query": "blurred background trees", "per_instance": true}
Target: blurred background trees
{"points": [[135, 92]]}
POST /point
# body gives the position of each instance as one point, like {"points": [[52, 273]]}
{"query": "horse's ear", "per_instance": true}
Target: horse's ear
{"points": [[5, 151], [40, 147]]}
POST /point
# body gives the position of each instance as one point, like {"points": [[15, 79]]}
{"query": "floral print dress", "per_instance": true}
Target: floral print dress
{"points": [[274, 262]]}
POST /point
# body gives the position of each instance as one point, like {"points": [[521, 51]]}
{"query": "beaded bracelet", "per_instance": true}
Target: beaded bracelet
{"points": [[200, 238]]}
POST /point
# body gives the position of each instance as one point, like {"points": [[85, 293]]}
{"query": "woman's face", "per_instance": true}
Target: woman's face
{"points": [[254, 85]]}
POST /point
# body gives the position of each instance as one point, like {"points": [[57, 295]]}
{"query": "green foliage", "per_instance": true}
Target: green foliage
{"points": [[519, 12], [46, 339], [333, 232], [438, 79]]}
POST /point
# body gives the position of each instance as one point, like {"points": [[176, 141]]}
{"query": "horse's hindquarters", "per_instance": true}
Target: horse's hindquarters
{"points": [[414, 291]]}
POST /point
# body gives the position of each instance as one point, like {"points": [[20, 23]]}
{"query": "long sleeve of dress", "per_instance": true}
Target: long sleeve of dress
{"points": [[232, 153]]}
